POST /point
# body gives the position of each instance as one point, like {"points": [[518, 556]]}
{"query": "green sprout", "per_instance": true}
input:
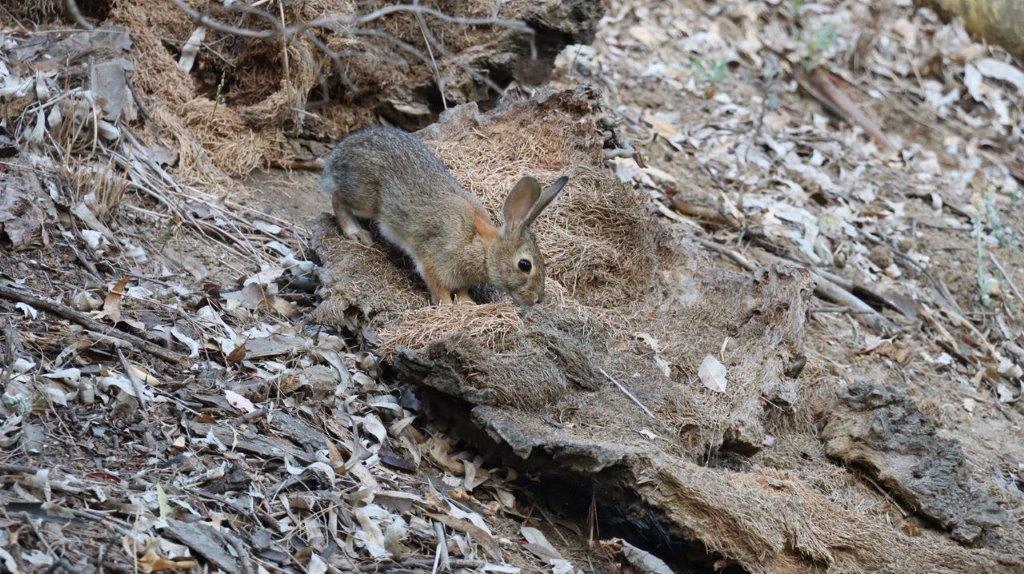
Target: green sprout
{"points": [[714, 74], [823, 40]]}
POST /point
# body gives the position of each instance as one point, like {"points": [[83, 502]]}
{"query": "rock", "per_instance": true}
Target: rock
{"points": [[25, 209], [878, 428], [320, 380], [204, 541], [109, 82]]}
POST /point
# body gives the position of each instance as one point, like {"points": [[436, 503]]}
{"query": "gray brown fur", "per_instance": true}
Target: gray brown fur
{"points": [[390, 177]]}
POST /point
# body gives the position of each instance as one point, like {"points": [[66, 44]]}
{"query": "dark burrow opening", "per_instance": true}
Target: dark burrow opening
{"points": [[602, 501]]}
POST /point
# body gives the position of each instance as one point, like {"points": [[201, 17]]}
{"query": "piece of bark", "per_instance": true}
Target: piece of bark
{"points": [[833, 93], [202, 540], [878, 428]]}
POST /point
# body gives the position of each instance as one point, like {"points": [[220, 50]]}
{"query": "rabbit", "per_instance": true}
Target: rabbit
{"points": [[389, 176]]}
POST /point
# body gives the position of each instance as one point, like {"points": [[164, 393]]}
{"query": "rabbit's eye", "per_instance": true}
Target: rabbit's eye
{"points": [[525, 265]]}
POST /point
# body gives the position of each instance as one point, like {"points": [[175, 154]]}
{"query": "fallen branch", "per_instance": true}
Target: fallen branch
{"points": [[88, 322], [297, 164], [825, 87], [831, 292], [739, 259]]}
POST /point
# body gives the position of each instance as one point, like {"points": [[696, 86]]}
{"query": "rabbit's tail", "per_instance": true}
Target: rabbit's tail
{"points": [[327, 183]]}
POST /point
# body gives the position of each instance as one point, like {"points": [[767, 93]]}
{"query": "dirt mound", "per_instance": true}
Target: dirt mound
{"points": [[612, 382], [628, 299], [228, 102]]}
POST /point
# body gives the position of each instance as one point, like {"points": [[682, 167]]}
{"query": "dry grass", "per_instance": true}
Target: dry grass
{"points": [[493, 325], [106, 186]]}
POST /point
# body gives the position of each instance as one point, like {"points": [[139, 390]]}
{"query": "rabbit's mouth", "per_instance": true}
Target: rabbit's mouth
{"points": [[527, 302]]}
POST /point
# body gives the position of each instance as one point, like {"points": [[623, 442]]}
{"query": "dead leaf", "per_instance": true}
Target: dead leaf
{"points": [[911, 529], [479, 534], [992, 68], [316, 565], [712, 374], [642, 35], [236, 354], [143, 375], [643, 562], [1005, 393], [153, 562], [112, 302], [29, 311], [239, 402], [369, 532], [663, 128]]}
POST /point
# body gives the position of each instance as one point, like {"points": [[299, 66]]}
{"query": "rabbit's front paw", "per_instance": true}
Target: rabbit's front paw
{"points": [[462, 297], [362, 236]]}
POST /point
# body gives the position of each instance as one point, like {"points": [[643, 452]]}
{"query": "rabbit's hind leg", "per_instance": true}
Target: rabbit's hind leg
{"points": [[348, 224]]}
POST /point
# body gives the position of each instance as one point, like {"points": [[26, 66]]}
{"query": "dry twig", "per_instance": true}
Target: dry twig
{"points": [[625, 391], [88, 322], [353, 24]]}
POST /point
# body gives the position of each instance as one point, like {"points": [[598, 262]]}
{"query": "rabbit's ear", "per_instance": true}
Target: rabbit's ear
{"points": [[545, 199], [518, 204]]}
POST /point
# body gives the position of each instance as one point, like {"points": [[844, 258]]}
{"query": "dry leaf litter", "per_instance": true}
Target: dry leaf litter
{"points": [[877, 148], [167, 405]]}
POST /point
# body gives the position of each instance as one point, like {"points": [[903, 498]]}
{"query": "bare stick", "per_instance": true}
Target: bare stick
{"points": [[284, 43], [335, 61], [89, 323], [212, 23], [830, 291], [428, 40], [416, 8], [628, 394], [825, 287], [739, 259], [72, 11], [1009, 279]]}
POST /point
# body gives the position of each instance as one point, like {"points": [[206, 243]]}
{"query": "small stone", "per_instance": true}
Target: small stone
{"points": [[86, 301], [881, 256]]}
